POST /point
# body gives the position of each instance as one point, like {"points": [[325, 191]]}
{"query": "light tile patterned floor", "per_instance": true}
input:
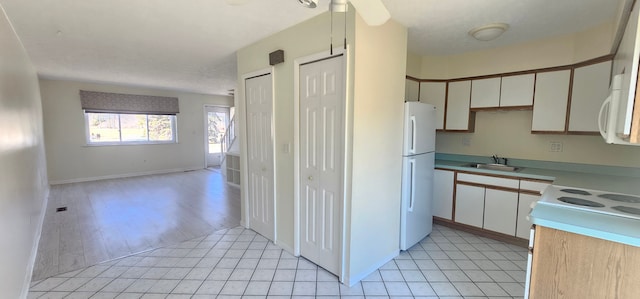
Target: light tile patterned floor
{"points": [[239, 263]]}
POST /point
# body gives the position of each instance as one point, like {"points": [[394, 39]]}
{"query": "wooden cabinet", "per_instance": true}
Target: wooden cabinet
{"points": [[550, 104], [443, 183], [568, 265], [458, 112], [435, 93], [411, 90], [500, 211], [485, 93], [517, 91], [590, 89], [469, 205]]}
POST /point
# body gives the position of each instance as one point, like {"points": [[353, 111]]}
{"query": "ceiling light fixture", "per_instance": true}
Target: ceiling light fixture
{"points": [[309, 3], [489, 32]]}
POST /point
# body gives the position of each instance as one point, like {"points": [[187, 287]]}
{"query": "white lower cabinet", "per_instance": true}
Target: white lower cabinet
{"points": [[443, 183], [500, 210], [523, 225], [469, 205]]}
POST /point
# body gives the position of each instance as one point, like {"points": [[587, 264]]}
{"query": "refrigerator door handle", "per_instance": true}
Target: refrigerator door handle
{"points": [[412, 147], [412, 172]]}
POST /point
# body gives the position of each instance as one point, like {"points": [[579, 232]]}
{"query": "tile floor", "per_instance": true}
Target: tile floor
{"points": [[238, 263]]}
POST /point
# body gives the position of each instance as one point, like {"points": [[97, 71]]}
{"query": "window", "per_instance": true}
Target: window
{"points": [[120, 128]]}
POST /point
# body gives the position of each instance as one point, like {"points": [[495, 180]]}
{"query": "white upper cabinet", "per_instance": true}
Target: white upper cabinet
{"points": [[411, 90], [590, 89], [458, 105], [550, 106], [435, 93], [517, 90], [485, 93]]}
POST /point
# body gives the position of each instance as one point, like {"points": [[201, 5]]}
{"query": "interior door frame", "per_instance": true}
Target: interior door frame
{"points": [[244, 187], [206, 133], [347, 127]]}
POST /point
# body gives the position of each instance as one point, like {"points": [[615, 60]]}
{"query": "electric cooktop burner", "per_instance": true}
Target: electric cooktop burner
{"points": [[580, 202], [629, 210], [575, 191], [621, 197], [594, 201]]}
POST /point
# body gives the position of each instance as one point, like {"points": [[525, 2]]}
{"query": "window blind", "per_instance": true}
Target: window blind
{"points": [[106, 102]]}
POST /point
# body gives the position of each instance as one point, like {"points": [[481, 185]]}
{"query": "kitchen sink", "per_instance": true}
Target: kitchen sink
{"points": [[500, 167]]}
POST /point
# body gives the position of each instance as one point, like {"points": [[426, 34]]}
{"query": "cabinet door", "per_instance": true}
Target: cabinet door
{"points": [[469, 205], [590, 89], [458, 105], [517, 90], [500, 210], [550, 105], [411, 90], [435, 93], [485, 93], [443, 194], [523, 226]]}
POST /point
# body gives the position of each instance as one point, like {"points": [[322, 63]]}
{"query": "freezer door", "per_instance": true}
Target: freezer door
{"points": [[417, 196], [419, 128]]}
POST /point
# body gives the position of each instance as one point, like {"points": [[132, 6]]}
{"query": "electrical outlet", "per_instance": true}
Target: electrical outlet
{"points": [[555, 146]]}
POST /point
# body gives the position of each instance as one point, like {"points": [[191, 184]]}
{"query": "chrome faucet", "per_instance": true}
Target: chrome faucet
{"points": [[496, 160]]}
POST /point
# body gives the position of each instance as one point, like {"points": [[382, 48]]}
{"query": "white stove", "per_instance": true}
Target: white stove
{"points": [[614, 204]]}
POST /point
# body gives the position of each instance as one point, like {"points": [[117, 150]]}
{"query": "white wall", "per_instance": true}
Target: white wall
{"points": [[508, 133], [378, 108], [70, 160], [23, 178]]}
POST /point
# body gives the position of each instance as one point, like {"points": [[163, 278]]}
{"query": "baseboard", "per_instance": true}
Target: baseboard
{"points": [[284, 246], [121, 176], [36, 244], [482, 232], [355, 278]]}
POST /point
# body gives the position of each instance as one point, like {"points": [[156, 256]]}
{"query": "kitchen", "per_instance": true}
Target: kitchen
{"points": [[374, 188]]}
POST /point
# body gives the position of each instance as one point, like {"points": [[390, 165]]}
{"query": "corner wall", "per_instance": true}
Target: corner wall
{"points": [[71, 160], [23, 177]]}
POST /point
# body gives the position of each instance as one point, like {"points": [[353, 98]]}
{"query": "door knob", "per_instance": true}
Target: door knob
{"points": [[310, 178]]}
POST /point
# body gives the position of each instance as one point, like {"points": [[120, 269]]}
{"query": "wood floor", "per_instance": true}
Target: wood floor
{"points": [[109, 219]]}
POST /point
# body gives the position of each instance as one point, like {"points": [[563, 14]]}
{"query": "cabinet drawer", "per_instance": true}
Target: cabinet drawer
{"points": [[533, 186], [489, 180]]}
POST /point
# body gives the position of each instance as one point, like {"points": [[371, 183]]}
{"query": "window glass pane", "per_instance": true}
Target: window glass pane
{"points": [[160, 128], [134, 127], [103, 127]]}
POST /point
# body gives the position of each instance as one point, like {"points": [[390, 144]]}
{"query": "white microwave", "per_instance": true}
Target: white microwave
{"points": [[616, 118]]}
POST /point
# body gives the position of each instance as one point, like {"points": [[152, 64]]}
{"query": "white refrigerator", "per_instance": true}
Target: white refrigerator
{"points": [[418, 158]]}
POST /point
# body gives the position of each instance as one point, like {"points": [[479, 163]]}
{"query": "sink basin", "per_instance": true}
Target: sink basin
{"points": [[500, 167]]}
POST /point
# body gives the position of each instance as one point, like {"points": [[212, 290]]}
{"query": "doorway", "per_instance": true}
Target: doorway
{"points": [[321, 148], [216, 123], [260, 161]]}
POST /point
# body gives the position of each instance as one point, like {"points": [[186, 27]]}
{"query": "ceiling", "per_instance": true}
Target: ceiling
{"points": [[190, 45]]}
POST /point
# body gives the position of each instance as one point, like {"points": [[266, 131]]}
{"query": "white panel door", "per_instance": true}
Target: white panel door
{"points": [[260, 155], [523, 226], [435, 93], [517, 90], [500, 211], [550, 105], [469, 205], [458, 106], [590, 89], [485, 93], [443, 193], [321, 165]]}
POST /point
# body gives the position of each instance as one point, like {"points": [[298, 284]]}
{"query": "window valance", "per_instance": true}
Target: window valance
{"points": [[106, 102]]}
